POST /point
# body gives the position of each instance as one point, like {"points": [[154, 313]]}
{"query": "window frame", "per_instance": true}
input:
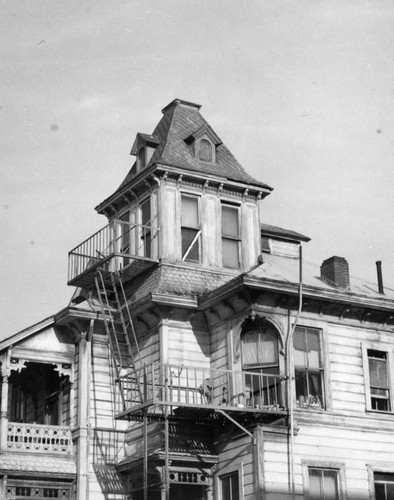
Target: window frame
{"points": [[339, 467], [145, 236], [200, 150], [227, 471], [141, 158], [377, 468], [388, 349], [198, 229], [323, 370], [228, 237]]}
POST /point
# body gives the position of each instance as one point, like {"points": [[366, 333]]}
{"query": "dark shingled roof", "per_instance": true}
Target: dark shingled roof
{"points": [[180, 120], [282, 233]]}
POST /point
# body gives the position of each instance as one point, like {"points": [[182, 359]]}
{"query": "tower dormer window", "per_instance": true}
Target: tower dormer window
{"points": [[205, 150], [141, 159]]}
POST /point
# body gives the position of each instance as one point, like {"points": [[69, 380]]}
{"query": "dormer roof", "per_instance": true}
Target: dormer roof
{"points": [[144, 140], [204, 130]]}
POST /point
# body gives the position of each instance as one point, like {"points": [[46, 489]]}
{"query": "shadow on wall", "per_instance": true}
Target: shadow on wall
{"points": [[108, 450]]}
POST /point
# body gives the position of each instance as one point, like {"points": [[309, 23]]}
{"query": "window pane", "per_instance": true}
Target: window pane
{"points": [[330, 485], [230, 221], [205, 150], [313, 341], [230, 253], [226, 488], [384, 486], [378, 372], [315, 484], [189, 212], [380, 493], [299, 340], [187, 237], [301, 387], [145, 212], [230, 486], [260, 347], [234, 487], [315, 389]]}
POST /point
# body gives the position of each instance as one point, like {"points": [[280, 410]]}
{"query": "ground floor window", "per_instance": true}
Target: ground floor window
{"points": [[384, 486], [323, 484], [229, 486]]}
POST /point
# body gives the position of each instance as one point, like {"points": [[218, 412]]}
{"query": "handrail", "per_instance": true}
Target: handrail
{"points": [[117, 239], [179, 385]]}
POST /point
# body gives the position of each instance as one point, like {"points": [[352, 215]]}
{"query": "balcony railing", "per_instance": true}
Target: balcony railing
{"points": [[39, 438], [120, 239], [183, 386]]}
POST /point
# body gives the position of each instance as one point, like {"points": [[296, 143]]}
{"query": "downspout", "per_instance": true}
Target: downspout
{"points": [[290, 377]]}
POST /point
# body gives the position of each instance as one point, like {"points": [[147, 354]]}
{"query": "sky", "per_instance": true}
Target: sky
{"points": [[301, 92]]}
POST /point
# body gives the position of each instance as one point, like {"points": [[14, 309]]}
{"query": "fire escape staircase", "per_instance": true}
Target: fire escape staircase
{"points": [[119, 328]]}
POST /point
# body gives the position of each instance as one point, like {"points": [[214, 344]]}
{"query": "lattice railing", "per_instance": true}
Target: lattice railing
{"points": [[39, 438]]}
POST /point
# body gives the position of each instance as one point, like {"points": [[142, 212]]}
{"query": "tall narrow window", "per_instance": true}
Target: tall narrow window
{"points": [[146, 224], [384, 486], [229, 486], [230, 236], [308, 367], [323, 484], [190, 229], [205, 150], [125, 236], [260, 361], [141, 159], [378, 379]]}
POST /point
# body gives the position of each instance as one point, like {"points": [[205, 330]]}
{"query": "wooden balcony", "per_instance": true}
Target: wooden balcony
{"points": [[35, 438], [115, 246], [182, 389]]}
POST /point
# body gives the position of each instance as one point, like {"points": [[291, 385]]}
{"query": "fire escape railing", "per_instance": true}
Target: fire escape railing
{"points": [[174, 385], [127, 241]]}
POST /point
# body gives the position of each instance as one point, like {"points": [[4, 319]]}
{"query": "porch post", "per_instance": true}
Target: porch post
{"points": [[83, 418], [4, 411], [4, 402]]}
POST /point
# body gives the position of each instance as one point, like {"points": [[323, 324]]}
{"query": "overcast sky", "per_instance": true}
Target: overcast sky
{"points": [[301, 91]]}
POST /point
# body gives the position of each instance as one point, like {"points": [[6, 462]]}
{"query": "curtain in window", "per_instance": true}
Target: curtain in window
{"points": [[259, 348]]}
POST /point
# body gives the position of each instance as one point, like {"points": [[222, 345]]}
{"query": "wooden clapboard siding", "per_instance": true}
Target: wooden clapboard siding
{"points": [[134, 439], [237, 455], [219, 348], [355, 449], [149, 347], [188, 345], [346, 365], [104, 395]]}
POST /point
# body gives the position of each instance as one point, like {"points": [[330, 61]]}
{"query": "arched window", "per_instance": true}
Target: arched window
{"points": [[260, 347], [205, 150], [260, 363]]}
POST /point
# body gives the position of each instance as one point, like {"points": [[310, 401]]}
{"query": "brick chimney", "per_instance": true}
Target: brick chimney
{"points": [[335, 271]]}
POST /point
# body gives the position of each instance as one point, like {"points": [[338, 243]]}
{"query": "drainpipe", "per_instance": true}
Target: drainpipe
{"points": [[290, 377]]}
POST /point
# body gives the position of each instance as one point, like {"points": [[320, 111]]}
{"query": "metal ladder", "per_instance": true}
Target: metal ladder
{"points": [[119, 327]]}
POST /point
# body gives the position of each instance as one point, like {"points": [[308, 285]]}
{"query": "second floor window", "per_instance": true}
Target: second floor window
{"points": [[230, 236], [378, 380], [190, 228], [308, 367], [260, 361]]}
